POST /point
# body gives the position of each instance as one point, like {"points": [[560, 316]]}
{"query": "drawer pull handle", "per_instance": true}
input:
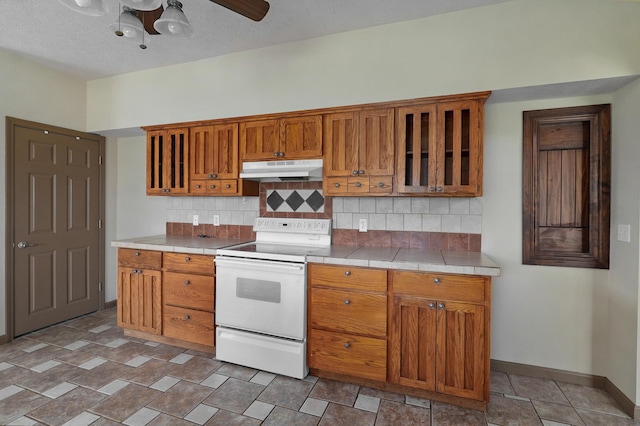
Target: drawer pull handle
{"points": [[347, 273], [347, 345], [186, 317], [186, 259], [227, 186], [137, 253], [212, 187], [197, 186], [347, 302], [212, 176], [187, 282], [337, 185], [358, 184], [436, 280], [432, 305], [441, 306], [381, 184]]}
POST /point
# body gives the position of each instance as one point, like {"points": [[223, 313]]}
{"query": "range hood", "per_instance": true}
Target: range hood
{"points": [[282, 170]]}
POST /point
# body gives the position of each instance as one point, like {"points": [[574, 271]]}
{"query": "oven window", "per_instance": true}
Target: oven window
{"points": [[261, 290]]}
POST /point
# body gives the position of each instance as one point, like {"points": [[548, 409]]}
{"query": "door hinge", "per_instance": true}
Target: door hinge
{"points": [[99, 286], [100, 160]]}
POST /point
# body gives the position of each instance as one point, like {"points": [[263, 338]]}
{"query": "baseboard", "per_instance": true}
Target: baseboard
{"points": [[111, 304], [4, 339], [593, 381]]}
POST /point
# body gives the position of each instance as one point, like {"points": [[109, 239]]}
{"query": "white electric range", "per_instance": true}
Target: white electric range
{"points": [[261, 295]]}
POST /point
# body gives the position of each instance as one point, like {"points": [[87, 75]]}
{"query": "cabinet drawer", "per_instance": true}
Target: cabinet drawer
{"points": [[348, 311], [381, 184], [337, 185], [185, 262], [189, 291], [465, 288], [348, 277], [188, 325], [358, 184], [148, 259], [228, 186], [346, 354]]}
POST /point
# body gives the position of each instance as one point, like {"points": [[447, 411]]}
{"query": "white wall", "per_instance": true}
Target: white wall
{"points": [[546, 316], [513, 44], [31, 92], [622, 320]]}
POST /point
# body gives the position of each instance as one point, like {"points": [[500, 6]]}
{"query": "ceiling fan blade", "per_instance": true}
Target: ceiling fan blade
{"points": [[252, 9]]}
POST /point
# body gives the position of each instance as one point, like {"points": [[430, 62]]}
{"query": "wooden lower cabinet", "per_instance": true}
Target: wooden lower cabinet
{"points": [[140, 290], [439, 334], [413, 332], [348, 321], [167, 297], [188, 298]]}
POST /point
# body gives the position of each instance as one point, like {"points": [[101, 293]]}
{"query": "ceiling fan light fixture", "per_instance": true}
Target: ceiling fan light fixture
{"points": [[173, 21], [142, 4], [87, 7], [129, 26]]}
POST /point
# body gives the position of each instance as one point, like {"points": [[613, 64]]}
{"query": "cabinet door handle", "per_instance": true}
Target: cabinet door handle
{"points": [[187, 259], [187, 317], [276, 154], [212, 176], [436, 280], [432, 305], [441, 306], [360, 172], [347, 345], [281, 154], [187, 282], [347, 273], [432, 189], [355, 172], [439, 189], [358, 184], [347, 302]]}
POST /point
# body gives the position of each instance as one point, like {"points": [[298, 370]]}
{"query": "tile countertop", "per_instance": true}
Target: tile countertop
{"points": [[454, 262], [179, 244]]}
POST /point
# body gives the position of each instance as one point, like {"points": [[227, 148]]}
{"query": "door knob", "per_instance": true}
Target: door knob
{"points": [[24, 244]]}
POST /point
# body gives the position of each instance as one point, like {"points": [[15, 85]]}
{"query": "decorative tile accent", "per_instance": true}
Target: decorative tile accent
{"points": [[295, 201]]}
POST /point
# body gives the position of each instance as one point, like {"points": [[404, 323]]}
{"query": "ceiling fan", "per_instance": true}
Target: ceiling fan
{"points": [[148, 16]]}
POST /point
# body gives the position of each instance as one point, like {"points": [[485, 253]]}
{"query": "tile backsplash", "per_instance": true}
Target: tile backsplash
{"points": [[446, 223]]}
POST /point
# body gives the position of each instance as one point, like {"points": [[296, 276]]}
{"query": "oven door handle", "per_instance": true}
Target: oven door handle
{"points": [[262, 265]]}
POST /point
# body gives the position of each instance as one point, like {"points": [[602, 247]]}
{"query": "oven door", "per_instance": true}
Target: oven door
{"points": [[262, 296]]}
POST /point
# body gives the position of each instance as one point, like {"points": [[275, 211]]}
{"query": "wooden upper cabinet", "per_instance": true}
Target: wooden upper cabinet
{"points": [[301, 137], [376, 145], [167, 162], [285, 138], [440, 148], [259, 140], [359, 152], [214, 152], [566, 190]]}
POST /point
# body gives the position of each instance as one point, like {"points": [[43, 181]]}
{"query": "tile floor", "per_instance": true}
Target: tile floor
{"points": [[86, 372]]}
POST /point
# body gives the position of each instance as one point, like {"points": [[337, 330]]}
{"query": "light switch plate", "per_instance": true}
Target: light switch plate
{"points": [[624, 233], [196, 220], [362, 225], [216, 220]]}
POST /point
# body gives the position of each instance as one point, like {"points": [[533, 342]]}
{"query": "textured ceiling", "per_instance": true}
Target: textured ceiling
{"points": [[48, 32]]}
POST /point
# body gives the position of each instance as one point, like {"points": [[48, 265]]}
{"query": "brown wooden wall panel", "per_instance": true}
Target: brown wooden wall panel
{"points": [[566, 186]]}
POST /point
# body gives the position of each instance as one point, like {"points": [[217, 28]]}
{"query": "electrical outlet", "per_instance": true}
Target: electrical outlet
{"points": [[196, 220], [362, 225], [624, 233], [216, 220]]}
